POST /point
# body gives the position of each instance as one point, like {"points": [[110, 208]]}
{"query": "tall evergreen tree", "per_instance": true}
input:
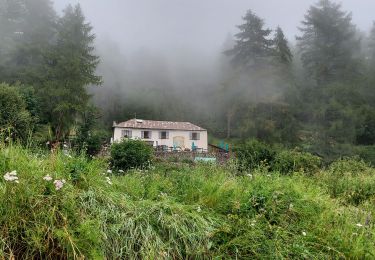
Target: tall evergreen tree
{"points": [[282, 50], [252, 47], [71, 67], [328, 43]]}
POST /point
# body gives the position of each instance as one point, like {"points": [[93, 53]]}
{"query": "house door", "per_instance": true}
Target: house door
{"points": [[179, 141]]}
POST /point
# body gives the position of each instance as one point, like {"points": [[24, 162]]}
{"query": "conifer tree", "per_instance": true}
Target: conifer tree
{"points": [[328, 43], [281, 48], [252, 47], [70, 69]]}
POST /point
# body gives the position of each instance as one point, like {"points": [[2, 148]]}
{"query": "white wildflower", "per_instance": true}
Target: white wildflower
{"points": [[11, 176], [47, 178], [304, 233], [120, 171], [199, 209], [59, 184], [109, 171], [249, 175], [108, 180], [13, 173], [359, 225], [291, 206]]}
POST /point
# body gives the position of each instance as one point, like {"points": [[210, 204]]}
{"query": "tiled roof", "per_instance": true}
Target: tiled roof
{"points": [[162, 125]]}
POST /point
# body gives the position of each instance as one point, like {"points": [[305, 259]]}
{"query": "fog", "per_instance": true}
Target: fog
{"points": [[158, 52], [195, 24]]}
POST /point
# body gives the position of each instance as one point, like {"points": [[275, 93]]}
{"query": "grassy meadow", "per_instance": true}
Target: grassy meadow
{"points": [[58, 206]]}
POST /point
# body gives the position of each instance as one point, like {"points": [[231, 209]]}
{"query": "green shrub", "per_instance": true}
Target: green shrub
{"points": [[253, 154], [287, 162], [15, 120], [367, 153], [92, 143], [131, 154], [350, 180], [349, 167]]}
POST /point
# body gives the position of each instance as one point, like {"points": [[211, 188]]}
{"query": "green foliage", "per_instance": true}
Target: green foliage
{"points": [[366, 153], [253, 154], [52, 57], [94, 142], [131, 154], [183, 212], [349, 180], [15, 120], [252, 46], [288, 161], [365, 130], [282, 51], [89, 139], [271, 123], [329, 58], [70, 68]]}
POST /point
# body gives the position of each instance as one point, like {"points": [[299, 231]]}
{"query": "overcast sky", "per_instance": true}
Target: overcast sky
{"points": [[200, 25]]}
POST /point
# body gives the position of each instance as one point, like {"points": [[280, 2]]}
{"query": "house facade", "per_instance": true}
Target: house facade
{"points": [[166, 135]]}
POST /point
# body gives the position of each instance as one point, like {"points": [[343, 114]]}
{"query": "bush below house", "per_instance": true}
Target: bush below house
{"points": [[131, 154]]}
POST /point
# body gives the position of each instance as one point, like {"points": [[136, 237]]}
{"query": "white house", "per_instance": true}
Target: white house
{"points": [[163, 134]]}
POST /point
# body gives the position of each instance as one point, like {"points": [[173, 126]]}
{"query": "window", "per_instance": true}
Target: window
{"points": [[163, 135], [146, 134], [194, 136], [126, 133]]}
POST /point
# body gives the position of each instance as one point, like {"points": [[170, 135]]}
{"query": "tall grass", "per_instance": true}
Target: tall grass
{"points": [[180, 211]]}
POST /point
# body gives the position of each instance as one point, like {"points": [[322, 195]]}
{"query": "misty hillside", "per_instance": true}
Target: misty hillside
{"points": [[308, 86], [275, 99]]}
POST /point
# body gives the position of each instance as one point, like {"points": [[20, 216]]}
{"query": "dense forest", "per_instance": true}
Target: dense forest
{"points": [[315, 92]]}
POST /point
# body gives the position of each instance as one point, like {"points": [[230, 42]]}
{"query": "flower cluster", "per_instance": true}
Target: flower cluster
{"points": [[59, 184], [108, 180], [47, 178], [11, 176]]}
